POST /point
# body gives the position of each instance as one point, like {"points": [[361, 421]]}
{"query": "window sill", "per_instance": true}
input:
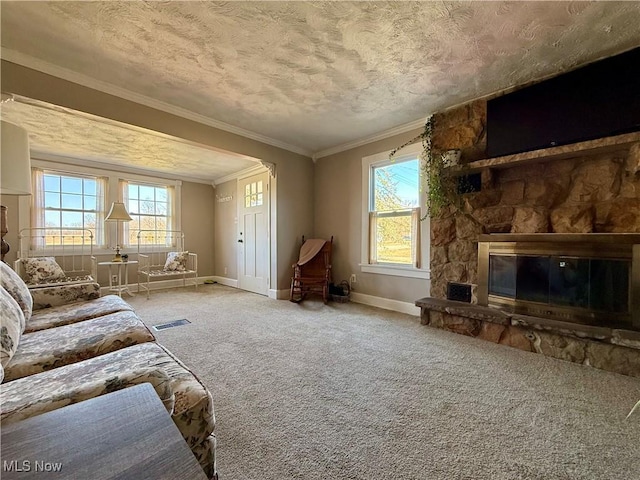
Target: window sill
{"points": [[57, 251], [396, 271], [69, 251]]}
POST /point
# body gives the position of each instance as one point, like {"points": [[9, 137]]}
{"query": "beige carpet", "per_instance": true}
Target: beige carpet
{"points": [[345, 391]]}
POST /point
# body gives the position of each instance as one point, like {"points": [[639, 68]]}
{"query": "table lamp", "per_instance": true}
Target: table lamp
{"points": [[15, 171], [118, 213]]}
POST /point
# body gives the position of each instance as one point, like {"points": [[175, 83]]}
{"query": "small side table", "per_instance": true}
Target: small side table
{"points": [[116, 269]]}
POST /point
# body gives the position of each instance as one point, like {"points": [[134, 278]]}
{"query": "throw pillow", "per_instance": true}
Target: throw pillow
{"points": [[42, 270], [16, 287], [10, 322], [176, 262]]}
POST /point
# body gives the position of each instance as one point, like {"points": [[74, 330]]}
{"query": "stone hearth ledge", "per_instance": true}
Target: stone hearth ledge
{"points": [[614, 350]]}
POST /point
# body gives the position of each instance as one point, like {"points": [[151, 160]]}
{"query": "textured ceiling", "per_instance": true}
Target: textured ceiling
{"points": [[315, 75], [61, 132]]}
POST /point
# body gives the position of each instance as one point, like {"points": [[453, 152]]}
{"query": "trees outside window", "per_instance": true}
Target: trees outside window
{"points": [[67, 201], [394, 203], [150, 208]]}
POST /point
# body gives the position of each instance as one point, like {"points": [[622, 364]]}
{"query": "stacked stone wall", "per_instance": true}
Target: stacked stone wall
{"points": [[585, 193]]}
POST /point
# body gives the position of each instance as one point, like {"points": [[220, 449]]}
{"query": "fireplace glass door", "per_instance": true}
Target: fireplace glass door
{"points": [[587, 283]]}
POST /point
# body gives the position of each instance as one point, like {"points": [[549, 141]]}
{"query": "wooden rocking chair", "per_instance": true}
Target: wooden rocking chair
{"points": [[312, 272]]}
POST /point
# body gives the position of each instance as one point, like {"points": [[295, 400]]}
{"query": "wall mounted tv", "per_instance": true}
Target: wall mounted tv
{"points": [[598, 100]]}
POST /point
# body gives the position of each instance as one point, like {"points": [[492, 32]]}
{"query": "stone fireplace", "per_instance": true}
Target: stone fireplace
{"points": [[587, 279], [589, 188]]}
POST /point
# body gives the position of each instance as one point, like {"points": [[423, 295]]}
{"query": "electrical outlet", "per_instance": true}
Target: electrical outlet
{"points": [[352, 280], [114, 278], [225, 270]]}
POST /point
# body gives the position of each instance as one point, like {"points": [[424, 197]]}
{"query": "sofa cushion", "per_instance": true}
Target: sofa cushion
{"points": [[76, 312], [176, 262], [16, 287], [55, 347], [57, 295], [42, 270], [46, 391], [11, 325]]}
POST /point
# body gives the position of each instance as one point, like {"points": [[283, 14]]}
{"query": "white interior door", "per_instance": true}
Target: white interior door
{"points": [[253, 233]]}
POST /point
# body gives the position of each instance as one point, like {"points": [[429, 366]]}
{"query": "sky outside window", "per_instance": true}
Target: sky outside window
{"points": [[399, 180], [70, 201]]}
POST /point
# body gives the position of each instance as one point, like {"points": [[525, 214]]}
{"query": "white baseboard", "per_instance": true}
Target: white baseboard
{"points": [[380, 302], [279, 294], [229, 282], [386, 303]]}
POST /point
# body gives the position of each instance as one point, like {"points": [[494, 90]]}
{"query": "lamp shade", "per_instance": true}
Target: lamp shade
{"points": [[118, 212], [15, 162]]}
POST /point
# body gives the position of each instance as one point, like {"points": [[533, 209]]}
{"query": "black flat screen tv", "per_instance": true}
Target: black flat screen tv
{"points": [[598, 100]]}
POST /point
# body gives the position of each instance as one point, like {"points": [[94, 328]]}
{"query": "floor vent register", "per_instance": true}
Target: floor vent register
{"points": [[175, 323]]}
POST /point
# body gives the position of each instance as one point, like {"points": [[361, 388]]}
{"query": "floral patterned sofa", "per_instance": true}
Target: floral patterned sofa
{"points": [[68, 352]]}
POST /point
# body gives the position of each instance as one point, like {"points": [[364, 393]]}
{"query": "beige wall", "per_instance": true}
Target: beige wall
{"points": [[294, 171], [338, 212], [225, 236], [295, 215], [198, 224]]}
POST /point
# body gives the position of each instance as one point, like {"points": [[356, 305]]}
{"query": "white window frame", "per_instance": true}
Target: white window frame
{"points": [[171, 205], [100, 187], [410, 271], [113, 193]]}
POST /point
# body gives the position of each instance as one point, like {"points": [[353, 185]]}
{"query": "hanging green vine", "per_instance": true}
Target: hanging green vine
{"points": [[441, 188]]}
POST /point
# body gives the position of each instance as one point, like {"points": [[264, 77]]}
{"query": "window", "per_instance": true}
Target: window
{"points": [[77, 196], [253, 196], [394, 204], [392, 239], [150, 208], [67, 201]]}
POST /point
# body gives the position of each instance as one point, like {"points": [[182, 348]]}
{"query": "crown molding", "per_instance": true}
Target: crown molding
{"points": [[86, 81], [407, 127], [247, 172]]}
